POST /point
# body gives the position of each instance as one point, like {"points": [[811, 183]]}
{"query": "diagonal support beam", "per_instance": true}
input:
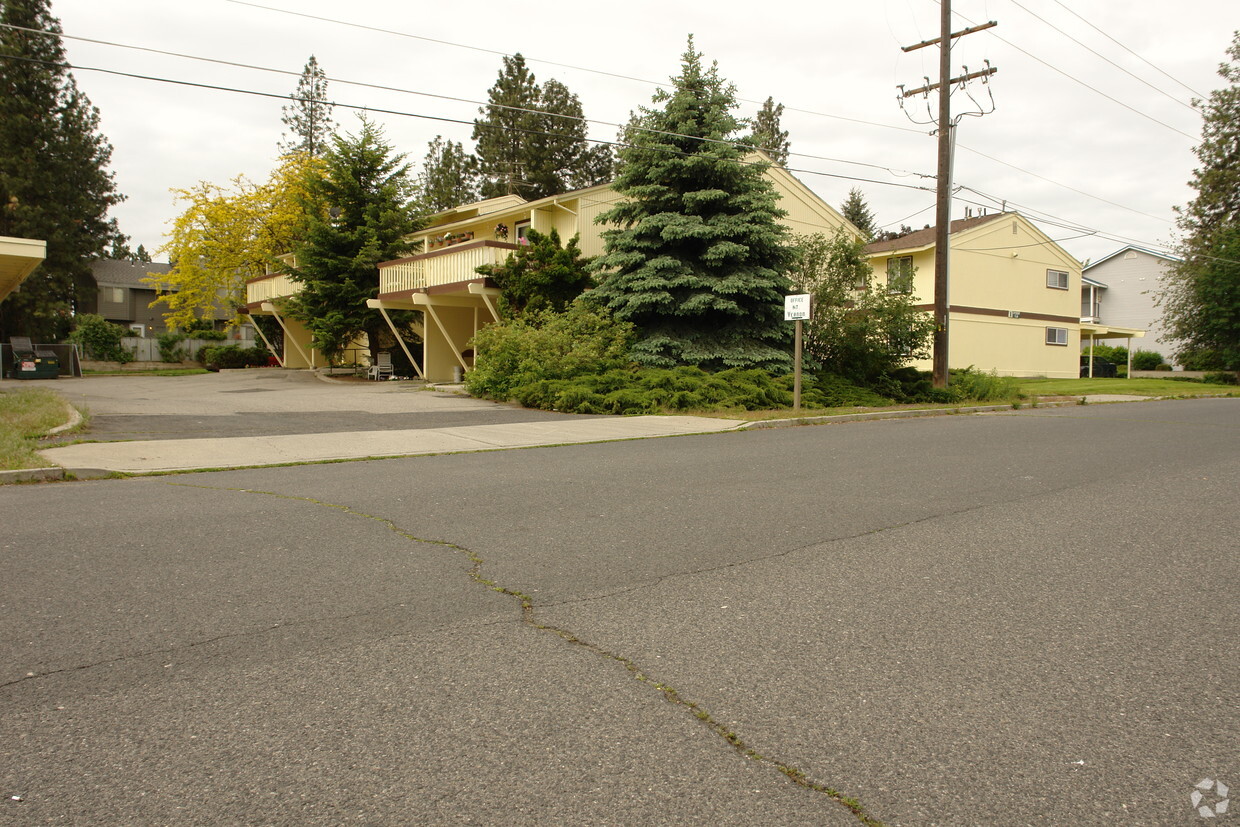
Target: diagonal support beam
{"points": [[288, 336], [266, 341], [400, 340], [456, 351]]}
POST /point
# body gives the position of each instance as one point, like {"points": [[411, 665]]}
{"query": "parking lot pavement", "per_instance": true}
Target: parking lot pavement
{"points": [[146, 424]]}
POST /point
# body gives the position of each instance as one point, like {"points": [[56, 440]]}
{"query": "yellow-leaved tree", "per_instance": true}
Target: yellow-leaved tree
{"points": [[225, 236]]}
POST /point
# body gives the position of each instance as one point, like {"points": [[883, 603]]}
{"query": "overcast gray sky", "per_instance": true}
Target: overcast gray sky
{"points": [[1097, 141]]}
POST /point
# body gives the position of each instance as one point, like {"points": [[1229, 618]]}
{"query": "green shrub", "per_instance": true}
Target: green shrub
{"points": [[984, 386], [1114, 354], [209, 335], [1221, 378], [1162, 367], [832, 391], [546, 346], [227, 357], [170, 349], [100, 339], [1146, 360]]}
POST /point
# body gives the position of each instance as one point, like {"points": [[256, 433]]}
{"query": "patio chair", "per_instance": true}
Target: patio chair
{"points": [[382, 368]]}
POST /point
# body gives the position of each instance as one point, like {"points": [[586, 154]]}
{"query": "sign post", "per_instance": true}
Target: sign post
{"points": [[796, 309]]}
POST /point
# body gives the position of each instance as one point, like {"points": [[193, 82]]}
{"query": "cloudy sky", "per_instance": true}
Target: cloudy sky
{"points": [[1088, 126]]}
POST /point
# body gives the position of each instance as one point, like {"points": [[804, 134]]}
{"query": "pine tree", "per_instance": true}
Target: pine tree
{"points": [[309, 116], [858, 212], [697, 254], [1201, 294], [54, 178], [504, 133], [449, 176], [531, 140], [358, 210], [767, 135]]}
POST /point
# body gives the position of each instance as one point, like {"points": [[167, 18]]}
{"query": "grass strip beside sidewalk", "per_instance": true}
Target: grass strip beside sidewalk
{"points": [[26, 415]]}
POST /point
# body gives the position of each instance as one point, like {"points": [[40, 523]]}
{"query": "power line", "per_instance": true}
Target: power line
{"points": [[397, 33], [383, 87], [1188, 106], [1078, 81], [575, 68], [401, 113], [402, 90], [1126, 49]]}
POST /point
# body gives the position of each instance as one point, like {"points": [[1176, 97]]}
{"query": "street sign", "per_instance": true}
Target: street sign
{"points": [[796, 307]]}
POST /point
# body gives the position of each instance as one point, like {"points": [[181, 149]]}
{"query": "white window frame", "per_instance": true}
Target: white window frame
{"points": [[1057, 279], [900, 274], [1054, 335]]}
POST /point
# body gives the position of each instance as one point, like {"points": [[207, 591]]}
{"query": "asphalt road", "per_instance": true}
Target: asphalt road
{"points": [[1019, 618]]}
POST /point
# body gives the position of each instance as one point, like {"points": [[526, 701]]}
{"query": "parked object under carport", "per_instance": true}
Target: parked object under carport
{"points": [[30, 362]]}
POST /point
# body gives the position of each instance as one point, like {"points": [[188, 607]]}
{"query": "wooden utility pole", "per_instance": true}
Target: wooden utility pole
{"points": [[946, 135]]}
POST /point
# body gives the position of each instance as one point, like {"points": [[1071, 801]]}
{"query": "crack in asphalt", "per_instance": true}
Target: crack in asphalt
{"points": [[528, 616]]}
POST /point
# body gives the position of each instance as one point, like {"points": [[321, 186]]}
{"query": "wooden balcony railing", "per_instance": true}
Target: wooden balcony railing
{"points": [[267, 288], [439, 267]]}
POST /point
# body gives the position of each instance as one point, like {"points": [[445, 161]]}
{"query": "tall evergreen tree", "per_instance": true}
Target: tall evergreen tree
{"points": [[697, 256], [531, 139], [767, 135], [1200, 299], [856, 210], [449, 176], [309, 116], [54, 179], [505, 130], [359, 208]]}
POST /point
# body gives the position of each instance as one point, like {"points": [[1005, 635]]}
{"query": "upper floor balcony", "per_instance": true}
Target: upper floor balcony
{"points": [[450, 265], [270, 287]]}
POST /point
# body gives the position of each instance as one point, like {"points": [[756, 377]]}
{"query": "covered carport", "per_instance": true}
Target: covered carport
{"points": [[452, 313], [1092, 332]]}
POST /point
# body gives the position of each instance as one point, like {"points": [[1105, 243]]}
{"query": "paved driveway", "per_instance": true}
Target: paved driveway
{"points": [[272, 402]]}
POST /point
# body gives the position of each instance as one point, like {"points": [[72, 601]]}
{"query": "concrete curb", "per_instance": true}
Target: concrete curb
{"points": [[900, 414]]}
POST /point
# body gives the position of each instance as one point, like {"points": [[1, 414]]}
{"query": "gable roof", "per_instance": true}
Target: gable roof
{"points": [[926, 238], [1134, 248], [121, 273]]}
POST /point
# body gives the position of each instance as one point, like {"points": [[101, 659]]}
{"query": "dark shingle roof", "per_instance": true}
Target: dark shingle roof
{"points": [[119, 273], [925, 238]]}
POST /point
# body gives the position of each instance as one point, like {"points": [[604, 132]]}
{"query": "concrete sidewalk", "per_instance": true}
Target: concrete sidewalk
{"points": [[94, 459]]}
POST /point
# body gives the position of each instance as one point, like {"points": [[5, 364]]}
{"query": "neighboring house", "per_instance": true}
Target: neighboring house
{"points": [[124, 297], [440, 281], [18, 258], [125, 294], [1121, 288], [1013, 295]]}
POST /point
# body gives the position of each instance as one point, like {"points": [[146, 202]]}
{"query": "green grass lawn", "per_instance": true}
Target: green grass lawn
{"points": [[25, 415], [1135, 387]]}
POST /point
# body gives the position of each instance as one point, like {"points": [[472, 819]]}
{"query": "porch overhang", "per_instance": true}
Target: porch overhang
{"points": [[1093, 330], [18, 258]]}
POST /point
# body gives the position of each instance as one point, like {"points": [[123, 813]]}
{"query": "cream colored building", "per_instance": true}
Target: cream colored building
{"points": [[1014, 295], [439, 281]]}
